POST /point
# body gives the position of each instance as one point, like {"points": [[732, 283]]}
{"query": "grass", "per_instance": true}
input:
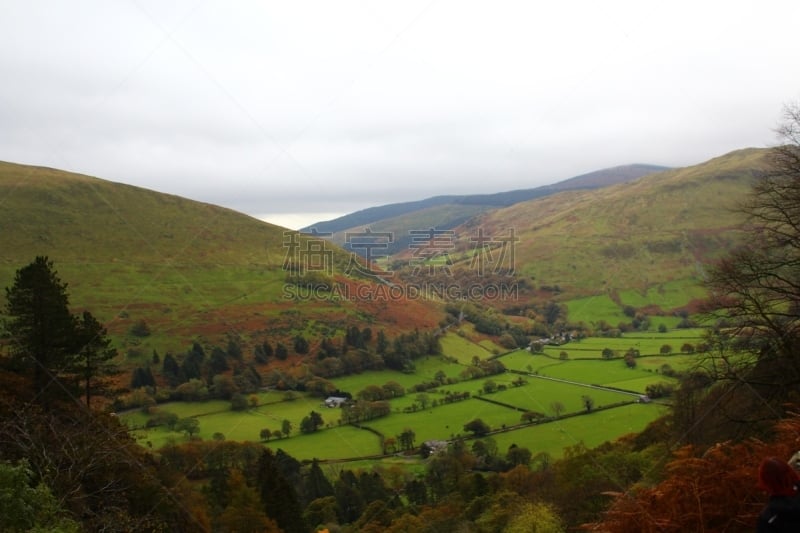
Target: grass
{"points": [[539, 394], [592, 429], [463, 349], [446, 420], [592, 309]]}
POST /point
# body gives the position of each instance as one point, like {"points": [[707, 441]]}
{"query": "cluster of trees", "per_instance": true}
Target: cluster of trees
{"points": [[60, 352], [363, 410], [490, 322]]}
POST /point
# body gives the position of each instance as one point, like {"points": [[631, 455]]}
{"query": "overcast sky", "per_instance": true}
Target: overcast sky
{"points": [[298, 111]]}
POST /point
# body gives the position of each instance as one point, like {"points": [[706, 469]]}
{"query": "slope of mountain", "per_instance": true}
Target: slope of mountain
{"points": [[636, 236], [189, 269], [445, 212], [381, 214]]}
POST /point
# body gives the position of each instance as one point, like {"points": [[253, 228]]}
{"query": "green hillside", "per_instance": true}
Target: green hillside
{"points": [[639, 239], [446, 212], [189, 269]]}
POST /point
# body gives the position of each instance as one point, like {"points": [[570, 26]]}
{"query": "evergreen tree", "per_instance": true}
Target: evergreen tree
{"points": [[315, 484], [192, 366], [42, 330], [300, 345], [171, 369], [217, 362], [349, 500], [234, 349], [93, 363], [278, 496], [281, 352], [142, 377]]}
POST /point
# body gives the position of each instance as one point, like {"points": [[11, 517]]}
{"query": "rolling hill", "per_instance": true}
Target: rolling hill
{"points": [[632, 238], [446, 212], [189, 269]]}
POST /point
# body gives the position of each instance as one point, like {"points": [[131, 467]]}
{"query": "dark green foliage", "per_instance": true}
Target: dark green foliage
{"points": [[234, 350], [382, 344], [417, 492], [278, 495], [171, 370], [281, 352], [477, 427], [588, 403], [247, 378], [349, 500], [192, 366], [410, 346], [552, 312], [315, 484], [238, 402], [311, 423], [300, 345], [93, 364], [25, 507], [92, 467], [41, 328], [406, 439], [142, 377], [356, 338], [140, 329], [263, 352], [328, 348], [218, 361]]}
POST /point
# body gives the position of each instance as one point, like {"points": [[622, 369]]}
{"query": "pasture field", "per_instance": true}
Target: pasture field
{"points": [[640, 384], [677, 361], [444, 421], [592, 429], [646, 343], [538, 395], [426, 369], [592, 309], [338, 442], [596, 372], [584, 366], [463, 349], [669, 295]]}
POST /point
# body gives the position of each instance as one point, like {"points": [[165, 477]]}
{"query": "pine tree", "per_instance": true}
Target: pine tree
{"points": [[278, 496], [41, 328], [94, 361]]}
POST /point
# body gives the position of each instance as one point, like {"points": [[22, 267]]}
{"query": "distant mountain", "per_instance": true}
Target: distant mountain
{"points": [[191, 270], [446, 212], [658, 232]]}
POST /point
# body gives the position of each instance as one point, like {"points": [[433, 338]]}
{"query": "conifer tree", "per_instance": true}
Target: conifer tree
{"points": [[94, 363], [42, 330]]}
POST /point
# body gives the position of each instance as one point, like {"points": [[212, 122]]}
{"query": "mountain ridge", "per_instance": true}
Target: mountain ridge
{"points": [[595, 179]]}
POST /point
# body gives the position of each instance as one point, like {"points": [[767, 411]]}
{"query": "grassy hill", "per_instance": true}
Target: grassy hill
{"points": [[640, 239], [446, 212], [189, 269]]}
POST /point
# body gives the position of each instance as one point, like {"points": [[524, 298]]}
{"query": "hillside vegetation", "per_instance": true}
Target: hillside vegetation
{"points": [[445, 212], [188, 268], [635, 236]]}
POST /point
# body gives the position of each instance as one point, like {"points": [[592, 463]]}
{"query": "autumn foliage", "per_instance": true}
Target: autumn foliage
{"points": [[713, 492]]}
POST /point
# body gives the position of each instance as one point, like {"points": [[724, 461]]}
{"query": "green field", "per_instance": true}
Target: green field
{"points": [[592, 309], [592, 429], [463, 349], [446, 420], [584, 367], [668, 296]]}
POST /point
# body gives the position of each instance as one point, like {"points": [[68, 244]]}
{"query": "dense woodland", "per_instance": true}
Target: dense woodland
{"points": [[67, 464]]}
